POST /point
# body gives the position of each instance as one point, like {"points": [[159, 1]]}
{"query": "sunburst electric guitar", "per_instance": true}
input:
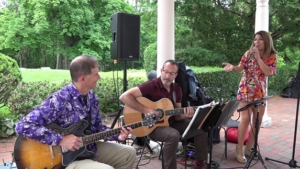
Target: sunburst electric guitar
{"points": [[30, 154], [163, 106]]}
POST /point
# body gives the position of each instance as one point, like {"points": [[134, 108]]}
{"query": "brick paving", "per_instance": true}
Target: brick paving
{"points": [[6, 149], [275, 142]]}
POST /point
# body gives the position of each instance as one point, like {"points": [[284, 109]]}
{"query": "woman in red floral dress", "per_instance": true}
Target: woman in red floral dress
{"points": [[257, 63]]}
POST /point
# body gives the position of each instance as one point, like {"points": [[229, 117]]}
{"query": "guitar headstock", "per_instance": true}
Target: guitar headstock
{"points": [[150, 120]]}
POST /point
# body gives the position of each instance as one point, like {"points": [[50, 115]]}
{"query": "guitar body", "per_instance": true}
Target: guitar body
{"points": [[31, 154], [132, 115]]}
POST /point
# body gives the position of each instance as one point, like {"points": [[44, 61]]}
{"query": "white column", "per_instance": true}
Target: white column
{"points": [[165, 32], [262, 23], [165, 40], [262, 15]]}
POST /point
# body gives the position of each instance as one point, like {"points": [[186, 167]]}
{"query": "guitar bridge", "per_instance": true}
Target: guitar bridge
{"points": [[63, 150], [51, 151]]}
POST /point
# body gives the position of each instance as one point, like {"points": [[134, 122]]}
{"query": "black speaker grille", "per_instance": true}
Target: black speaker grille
{"points": [[125, 30]]}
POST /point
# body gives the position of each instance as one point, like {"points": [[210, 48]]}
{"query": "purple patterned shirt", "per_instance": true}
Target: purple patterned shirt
{"points": [[64, 108]]}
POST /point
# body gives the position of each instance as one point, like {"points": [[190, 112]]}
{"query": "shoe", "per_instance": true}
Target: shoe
{"points": [[199, 165], [239, 154], [248, 153]]}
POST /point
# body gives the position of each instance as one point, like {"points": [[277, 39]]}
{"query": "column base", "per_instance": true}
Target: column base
{"points": [[154, 146], [266, 121]]}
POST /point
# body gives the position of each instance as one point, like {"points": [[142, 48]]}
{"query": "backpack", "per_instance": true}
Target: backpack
{"points": [[293, 90], [192, 92]]}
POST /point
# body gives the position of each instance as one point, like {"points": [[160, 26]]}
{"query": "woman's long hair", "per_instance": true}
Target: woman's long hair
{"points": [[268, 43]]}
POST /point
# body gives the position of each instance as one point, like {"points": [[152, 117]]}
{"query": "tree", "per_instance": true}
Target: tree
{"points": [[226, 27], [46, 31], [51, 32]]}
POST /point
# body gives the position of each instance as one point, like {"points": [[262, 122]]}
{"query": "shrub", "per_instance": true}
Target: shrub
{"points": [[108, 93], [10, 76], [6, 122], [7, 126], [150, 60], [29, 95], [218, 84]]}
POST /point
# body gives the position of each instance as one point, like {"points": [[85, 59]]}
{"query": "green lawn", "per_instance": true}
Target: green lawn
{"points": [[52, 75]]}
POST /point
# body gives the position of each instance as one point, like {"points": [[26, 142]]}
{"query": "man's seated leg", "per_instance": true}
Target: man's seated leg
{"points": [[201, 149], [119, 156], [88, 163], [170, 137], [199, 142]]}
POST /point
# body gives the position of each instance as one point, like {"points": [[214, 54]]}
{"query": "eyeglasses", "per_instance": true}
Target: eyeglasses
{"points": [[167, 72]]}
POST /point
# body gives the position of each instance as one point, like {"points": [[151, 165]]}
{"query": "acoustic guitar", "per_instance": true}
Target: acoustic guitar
{"points": [[163, 106], [31, 154]]}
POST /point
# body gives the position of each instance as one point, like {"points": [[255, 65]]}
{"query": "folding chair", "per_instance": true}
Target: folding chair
{"points": [[230, 123]]}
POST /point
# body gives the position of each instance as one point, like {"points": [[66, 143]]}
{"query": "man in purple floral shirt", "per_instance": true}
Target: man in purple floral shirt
{"points": [[69, 105]]}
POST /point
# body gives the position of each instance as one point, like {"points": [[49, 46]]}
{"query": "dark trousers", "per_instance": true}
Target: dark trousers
{"points": [[171, 136]]}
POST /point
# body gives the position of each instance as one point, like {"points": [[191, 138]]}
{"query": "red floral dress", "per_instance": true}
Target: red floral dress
{"points": [[252, 86]]}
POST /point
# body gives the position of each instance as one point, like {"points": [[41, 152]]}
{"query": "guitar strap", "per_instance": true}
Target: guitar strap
{"points": [[90, 120], [174, 97], [88, 129]]}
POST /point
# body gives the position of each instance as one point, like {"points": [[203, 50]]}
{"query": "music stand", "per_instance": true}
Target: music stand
{"points": [[194, 127], [219, 116], [227, 111], [201, 114], [254, 152]]}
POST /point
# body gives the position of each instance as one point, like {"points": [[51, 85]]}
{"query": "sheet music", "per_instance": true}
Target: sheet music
{"points": [[194, 117], [204, 119], [227, 111]]}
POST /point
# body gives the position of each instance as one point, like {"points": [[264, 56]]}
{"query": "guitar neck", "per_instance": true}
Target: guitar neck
{"points": [[178, 111], [88, 139]]}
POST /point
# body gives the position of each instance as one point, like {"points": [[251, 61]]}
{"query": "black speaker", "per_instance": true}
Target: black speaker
{"points": [[125, 30]]}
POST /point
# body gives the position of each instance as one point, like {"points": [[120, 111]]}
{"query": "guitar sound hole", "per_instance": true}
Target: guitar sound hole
{"points": [[160, 113]]}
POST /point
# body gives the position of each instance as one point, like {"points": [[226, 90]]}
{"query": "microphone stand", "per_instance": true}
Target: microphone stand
{"points": [[292, 163], [254, 152]]}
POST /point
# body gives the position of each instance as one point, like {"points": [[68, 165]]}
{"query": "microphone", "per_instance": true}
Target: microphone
{"points": [[251, 55]]}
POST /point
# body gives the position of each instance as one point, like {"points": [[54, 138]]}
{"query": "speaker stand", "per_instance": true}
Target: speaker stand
{"points": [[125, 77]]}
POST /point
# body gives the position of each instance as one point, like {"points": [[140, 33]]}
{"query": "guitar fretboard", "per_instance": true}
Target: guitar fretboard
{"points": [[103, 135], [178, 111]]}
